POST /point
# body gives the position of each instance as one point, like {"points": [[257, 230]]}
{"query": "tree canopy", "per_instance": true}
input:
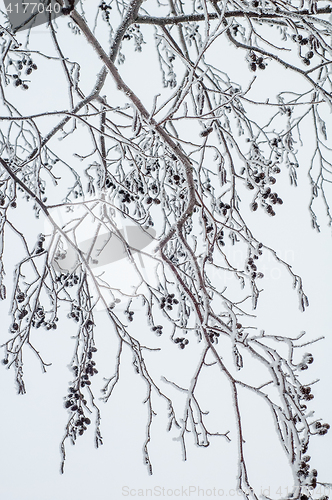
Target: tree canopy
{"points": [[138, 141]]}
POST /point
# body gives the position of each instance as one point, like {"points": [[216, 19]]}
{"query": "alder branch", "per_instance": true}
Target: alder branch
{"points": [[279, 15]]}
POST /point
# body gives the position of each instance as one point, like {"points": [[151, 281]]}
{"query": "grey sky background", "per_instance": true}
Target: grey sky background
{"points": [[32, 425]]}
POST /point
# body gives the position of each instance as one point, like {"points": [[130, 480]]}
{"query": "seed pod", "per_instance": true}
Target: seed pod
{"points": [[206, 132], [2, 292]]}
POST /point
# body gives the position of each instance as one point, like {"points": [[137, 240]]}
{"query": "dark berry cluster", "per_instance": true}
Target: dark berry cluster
{"points": [[309, 55], [18, 82], [213, 336], [17, 77], [75, 312], [20, 296], [304, 469], [224, 207], [321, 428], [104, 6], [67, 279], [311, 43], [306, 393], [152, 166], [127, 36], [109, 183], [271, 197], [38, 319], [307, 360], [182, 342], [220, 238], [89, 324], [251, 266], [300, 39], [134, 32], [263, 181], [81, 424], [74, 400], [129, 314], [71, 399], [14, 328], [276, 142], [139, 187], [157, 329], [305, 472], [154, 188], [175, 178], [31, 66], [208, 224], [256, 62], [105, 10], [39, 245], [149, 200], [313, 479], [126, 197], [304, 445], [90, 368], [168, 301], [22, 313], [77, 194]]}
